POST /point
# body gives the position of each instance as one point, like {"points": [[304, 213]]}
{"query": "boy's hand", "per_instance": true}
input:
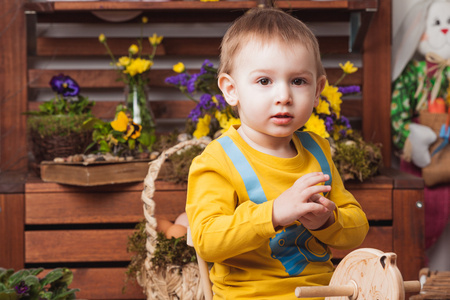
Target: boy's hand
{"points": [[303, 202]]}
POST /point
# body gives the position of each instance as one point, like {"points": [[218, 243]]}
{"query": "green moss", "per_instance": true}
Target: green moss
{"points": [[357, 159], [56, 125]]}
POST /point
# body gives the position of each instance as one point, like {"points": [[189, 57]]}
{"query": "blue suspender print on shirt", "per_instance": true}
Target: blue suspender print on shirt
{"points": [[295, 246]]}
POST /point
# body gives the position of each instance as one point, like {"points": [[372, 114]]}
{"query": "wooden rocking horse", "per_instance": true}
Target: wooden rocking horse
{"points": [[364, 274]]}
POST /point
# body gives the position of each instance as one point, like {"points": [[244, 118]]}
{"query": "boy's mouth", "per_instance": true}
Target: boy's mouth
{"points": [[282, 118]]}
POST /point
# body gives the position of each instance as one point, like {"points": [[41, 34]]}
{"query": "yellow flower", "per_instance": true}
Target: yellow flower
{"points": [[123, 61], [348, 68], [133, 131], [144, 20], [102, 38], [226, 122], [209, 0], [155, 40], [323, 107], [138, 66], [334, 97], [202, 127], [133, 49], [179, 67], [317, 125], [120, 123]]}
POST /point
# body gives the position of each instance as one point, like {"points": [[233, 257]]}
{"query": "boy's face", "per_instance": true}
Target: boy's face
{"points": [[274, 86]]}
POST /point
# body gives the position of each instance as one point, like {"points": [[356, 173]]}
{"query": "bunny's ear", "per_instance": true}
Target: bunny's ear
{"points": [[407, 37]]}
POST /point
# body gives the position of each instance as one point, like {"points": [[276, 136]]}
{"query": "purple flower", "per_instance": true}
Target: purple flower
{"points": [[21, 288], [329, 123], [345, 121], [206, 63], [64, 85], [222, 103], [351, 89], [206, 102], [190, 85], [180, 79]]}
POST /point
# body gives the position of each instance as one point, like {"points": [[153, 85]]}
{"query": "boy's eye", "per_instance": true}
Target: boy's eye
{"points": [[298, 81], [264, 81]]}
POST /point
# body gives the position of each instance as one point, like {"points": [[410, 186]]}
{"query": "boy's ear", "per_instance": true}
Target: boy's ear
{"points": [[319, 88], [228, 88]]}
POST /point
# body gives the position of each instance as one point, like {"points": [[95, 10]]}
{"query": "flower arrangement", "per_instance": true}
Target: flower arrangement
{"points": [[212, 115], [56, 128], [25, 284], [133, 71], [326, 119], [67, 100], [121, 137], [354, 158]]}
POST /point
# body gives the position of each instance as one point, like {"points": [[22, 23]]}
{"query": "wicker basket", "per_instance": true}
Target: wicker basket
{"points": [[174, 282]]}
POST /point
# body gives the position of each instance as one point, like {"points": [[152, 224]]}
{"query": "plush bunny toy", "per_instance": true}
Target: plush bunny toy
{"points": [[420, 74]]}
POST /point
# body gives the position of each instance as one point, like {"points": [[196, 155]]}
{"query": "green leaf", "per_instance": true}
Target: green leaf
{"points": [[5, 274], [36, 271], [18, 277], [63, 295], [52, 276]]}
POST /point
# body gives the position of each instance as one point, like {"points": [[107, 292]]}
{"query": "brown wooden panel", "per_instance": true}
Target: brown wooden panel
{"points": [[73, 208], [108, 78], [36, 185], [376, 203], [170, 46], [409, 232], [378, 237], [13, 87], [352, 108], [377, 80], [102, 283], [80, 208], [169, 109], [11, 231], [119, 46], [77, 245]]}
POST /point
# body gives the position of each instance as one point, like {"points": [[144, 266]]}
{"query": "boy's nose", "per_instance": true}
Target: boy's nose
{"points": [[283, 95]]}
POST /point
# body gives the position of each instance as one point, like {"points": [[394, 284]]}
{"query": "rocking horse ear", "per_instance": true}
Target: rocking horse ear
{"points": [[406, 38]]}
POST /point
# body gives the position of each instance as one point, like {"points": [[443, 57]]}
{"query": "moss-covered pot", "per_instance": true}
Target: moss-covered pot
{"points": [[58, 136]]}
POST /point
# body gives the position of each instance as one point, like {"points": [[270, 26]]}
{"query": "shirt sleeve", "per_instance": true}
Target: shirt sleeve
{"points": [[220, 228], [351, 226]]}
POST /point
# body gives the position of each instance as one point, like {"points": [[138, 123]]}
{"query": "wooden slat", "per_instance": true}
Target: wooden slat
{"points": [[376, 203], [377, 81], [409, 232], [377, 237], [102, 284], [13, 91], [55, 246], [79, 208], [98, 208], [170, 46], [11, 231], [36, 185], [39, 78], [119, 46], [161, 109]]}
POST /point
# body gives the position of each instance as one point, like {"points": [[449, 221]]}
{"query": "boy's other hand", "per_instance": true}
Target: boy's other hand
{"points": [[303, 202]]}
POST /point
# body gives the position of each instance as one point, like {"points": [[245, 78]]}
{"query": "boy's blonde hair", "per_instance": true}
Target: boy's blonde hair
{"points": [[265, 24]]}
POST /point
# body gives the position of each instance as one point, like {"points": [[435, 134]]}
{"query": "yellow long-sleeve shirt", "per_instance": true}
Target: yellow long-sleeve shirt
{"points": [[235, 231]]}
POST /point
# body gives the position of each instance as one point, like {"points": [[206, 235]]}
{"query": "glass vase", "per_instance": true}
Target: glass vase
{"points": [[139, 108]]}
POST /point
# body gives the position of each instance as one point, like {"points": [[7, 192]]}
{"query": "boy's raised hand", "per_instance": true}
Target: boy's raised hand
{"points": [[303, 202]]}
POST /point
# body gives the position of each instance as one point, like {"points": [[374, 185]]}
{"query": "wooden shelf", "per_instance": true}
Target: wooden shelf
{"points": [[56, 6]]}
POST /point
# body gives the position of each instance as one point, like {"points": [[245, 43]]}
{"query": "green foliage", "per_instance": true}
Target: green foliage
{"points": [[173, 251], [357, 159], [60, 105], [24, 284], [177, 166], [136, 245], [60, 125]]}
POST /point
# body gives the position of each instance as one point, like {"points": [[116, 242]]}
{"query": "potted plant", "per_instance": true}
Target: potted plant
{"points": [[24, 284], [56, 128]]}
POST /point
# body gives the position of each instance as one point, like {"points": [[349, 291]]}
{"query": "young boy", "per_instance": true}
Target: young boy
{"points": [[264, 204]]}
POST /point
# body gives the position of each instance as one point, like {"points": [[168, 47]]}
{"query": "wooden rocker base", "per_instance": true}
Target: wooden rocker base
{"points": [[364, 274]]}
